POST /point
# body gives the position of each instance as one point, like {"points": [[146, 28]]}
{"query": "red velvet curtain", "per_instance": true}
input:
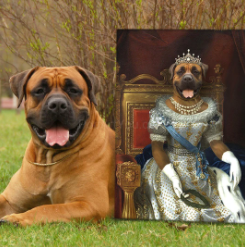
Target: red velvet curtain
{"points": [[151, 51]]}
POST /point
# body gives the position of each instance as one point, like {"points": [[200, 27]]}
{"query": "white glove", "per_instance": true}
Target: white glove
{"points": [[235, 170], [173, 176]]}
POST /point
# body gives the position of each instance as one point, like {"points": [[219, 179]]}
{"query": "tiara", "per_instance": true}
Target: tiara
{"points": [[188, 58]]}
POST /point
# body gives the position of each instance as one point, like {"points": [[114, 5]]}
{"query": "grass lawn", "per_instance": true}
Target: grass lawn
{"points": [[14, 136]]}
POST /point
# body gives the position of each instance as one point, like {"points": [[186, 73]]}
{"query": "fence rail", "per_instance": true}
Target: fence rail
{"points": [[10, 103]]}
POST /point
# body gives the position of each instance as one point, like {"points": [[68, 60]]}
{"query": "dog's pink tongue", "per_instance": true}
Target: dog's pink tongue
{"points": [[188, 93], [57, 135]]}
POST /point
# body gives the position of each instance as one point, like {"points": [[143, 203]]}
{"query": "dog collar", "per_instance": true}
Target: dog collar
{"points": [[187, 110], [49, 164]]}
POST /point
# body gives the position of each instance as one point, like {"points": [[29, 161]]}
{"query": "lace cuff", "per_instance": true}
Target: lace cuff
{"points": [[159, 138], [216, 137]]}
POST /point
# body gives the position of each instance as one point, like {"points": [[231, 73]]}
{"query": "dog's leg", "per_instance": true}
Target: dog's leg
{"points": [[17, 199], [59, 212], [5, 207]]}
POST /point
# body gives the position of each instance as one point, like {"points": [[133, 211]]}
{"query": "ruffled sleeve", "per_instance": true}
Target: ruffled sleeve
{"points": [[156, 129], [214, 130]]}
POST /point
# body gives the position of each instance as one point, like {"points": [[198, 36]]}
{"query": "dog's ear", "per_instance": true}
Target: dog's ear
{"points": [[92, 81], [18, 83], [204, 69], [171, 70]]}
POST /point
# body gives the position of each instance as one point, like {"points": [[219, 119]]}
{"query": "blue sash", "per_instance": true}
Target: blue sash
{"points": [[201, 161]]}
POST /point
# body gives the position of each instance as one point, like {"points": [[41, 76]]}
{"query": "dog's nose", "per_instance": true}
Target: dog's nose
{"points": [[187, 78], [57, 105]]}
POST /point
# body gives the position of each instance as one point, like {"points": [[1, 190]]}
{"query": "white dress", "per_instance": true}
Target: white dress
{"points": [[156, 199]]}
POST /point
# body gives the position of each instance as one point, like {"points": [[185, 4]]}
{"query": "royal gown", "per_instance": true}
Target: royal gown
{"points": [[156, 199]]}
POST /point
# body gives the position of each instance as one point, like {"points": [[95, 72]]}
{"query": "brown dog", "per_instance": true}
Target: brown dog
{"points": [[68, 168], [187, 81]]}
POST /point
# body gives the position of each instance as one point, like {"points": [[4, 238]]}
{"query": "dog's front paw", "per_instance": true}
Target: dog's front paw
{"points": [[2, 222], [14, 219]]}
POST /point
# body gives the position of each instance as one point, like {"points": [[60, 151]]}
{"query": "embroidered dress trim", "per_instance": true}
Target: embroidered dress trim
{"points": [[179, 151]]}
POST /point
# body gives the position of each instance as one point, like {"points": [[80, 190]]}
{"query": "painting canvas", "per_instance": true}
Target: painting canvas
{"points": [[181, 185]]}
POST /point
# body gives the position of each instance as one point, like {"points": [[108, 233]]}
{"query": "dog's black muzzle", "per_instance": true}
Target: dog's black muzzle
{"points": [[188, 82], [58, 111]]}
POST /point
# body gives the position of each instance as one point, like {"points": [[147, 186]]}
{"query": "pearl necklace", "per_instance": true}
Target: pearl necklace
{"points": [[187, 110]]}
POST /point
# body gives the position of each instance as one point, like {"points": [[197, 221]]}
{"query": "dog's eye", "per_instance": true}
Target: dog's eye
{"points": [[73, 90], [39, 92], [180, 72]]}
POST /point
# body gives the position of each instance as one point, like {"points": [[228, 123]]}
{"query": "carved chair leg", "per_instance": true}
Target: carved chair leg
{"points": [[128, 206], [128, 178]]}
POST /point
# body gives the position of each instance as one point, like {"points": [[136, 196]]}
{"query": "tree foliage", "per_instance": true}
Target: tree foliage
{"points": [[83, 32]]}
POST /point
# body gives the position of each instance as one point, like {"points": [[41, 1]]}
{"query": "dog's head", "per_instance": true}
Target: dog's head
{"points": [[58, 102], [187, 78]]}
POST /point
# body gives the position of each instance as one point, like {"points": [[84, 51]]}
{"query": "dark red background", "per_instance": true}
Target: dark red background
{"points": [[151, 51], [141, 119]]}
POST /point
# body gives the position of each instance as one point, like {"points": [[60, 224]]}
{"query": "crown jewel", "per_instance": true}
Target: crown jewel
{"points": [[188, 58]]}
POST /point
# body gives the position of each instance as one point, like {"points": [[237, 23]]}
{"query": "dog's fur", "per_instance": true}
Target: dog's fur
{"points": [[81, 185]]}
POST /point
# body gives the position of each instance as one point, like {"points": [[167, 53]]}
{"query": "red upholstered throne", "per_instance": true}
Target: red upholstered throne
{"points": [[134, 99]]}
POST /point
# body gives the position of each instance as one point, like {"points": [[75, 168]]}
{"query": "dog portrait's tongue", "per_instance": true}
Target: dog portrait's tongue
{"points": [[57, 135], [188, 93]]}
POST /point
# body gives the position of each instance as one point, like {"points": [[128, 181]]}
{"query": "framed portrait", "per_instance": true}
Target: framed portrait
{"points": [[148, 60]]}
